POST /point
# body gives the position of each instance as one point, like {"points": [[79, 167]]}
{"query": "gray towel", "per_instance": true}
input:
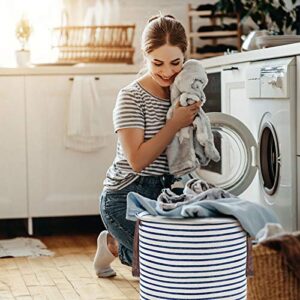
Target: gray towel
{"points": [[192, 146], [169, 200], [194, 188], [205, 136], [182, 157], [211, 194]]}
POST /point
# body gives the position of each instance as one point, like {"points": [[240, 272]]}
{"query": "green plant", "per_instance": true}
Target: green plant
{"points": [[23, 31], [267, 14]]}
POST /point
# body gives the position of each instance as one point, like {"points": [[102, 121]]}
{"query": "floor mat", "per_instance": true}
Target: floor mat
{"points": [[19, 247]]}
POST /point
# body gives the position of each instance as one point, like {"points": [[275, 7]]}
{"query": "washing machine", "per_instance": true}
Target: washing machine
{"points": [[235, 101], [267, 152]]}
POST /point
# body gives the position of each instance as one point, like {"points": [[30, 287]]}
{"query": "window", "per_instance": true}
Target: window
{"points": [[43, 15]]}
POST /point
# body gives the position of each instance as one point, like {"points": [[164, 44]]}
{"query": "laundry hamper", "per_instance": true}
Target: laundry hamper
{"points": [[272, 279], [192, 258]]}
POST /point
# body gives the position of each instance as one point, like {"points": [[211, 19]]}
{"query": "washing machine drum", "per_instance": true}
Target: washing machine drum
{"points": [[238, 150], [241, 157]]}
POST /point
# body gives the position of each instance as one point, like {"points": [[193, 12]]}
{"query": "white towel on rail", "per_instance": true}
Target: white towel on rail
{"points": [[85, 125]]}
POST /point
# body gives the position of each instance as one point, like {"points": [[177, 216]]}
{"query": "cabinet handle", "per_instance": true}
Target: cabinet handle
{"points": [[72, 79], [231, 69]]}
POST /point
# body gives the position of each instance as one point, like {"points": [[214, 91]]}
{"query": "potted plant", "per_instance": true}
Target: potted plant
{"points": [[23, 32], [267, 14]]}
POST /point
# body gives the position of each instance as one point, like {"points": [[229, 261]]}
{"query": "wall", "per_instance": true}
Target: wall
{"points": [[133, 11], [138, 12]]}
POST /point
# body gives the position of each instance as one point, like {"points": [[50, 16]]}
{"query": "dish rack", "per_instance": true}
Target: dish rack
{"points": [[103, 43], [272, 279]]}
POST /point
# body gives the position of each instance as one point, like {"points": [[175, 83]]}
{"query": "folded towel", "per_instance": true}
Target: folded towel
{"points": [[85, 130]]}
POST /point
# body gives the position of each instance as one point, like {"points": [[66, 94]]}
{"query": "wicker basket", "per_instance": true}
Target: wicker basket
{"points": [[106, 43], [272, 280]]}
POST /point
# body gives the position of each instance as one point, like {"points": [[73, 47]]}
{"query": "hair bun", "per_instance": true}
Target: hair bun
{"points": [[153, 18], [169, 16], [160, 16]]}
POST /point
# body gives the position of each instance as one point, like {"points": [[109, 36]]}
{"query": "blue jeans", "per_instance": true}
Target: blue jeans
{"points": [[113, 210]]}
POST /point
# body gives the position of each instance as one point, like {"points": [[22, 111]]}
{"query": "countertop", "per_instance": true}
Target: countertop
{"points": [[80, 69], [254, 55], [103, 68]]}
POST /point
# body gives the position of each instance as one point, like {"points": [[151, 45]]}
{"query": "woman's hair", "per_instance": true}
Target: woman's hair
{"points": [[162, 30]]}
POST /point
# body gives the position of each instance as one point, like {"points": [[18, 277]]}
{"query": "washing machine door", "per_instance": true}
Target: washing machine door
{"points": [[238, 150]]}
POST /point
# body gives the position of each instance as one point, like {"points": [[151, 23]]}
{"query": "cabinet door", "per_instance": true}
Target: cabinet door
{"points": [[63, 181], [236, 103], [13, 191]]}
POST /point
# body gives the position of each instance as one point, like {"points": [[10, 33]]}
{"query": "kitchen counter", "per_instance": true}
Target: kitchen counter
{"points": [[102, 68], [254, 55], [79, 69]]}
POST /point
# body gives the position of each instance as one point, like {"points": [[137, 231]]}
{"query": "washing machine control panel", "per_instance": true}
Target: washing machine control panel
{"points": [[268, 79], [273, 82]]}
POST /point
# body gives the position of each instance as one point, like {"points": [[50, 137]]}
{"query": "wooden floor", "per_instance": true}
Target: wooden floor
{"points": [[68, 274]]}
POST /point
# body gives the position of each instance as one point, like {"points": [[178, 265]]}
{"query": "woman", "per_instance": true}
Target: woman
{"points": [[143, 134]]}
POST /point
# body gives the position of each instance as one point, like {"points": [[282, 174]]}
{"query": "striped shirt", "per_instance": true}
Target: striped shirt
{"points": [[136, 108]]}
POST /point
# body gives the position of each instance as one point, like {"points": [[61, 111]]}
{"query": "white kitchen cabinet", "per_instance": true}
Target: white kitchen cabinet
{"points": [[64, 182], [13, 190]]}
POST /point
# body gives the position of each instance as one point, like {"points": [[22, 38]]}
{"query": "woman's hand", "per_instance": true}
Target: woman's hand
{"points": [[183, 116]]}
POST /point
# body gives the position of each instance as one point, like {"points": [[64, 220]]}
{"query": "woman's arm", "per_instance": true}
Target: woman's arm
{"points": [[140, 153]]}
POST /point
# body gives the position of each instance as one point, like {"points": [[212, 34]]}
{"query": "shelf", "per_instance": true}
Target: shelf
{"points": [[214, 34], [208, 14], [214, 37], [205, 55]]}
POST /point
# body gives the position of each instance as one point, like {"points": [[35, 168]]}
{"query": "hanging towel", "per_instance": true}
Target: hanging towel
{"points": [[85, 125]]}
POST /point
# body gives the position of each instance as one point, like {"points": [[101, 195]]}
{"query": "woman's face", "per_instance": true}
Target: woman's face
{"points": [[164, 63]]}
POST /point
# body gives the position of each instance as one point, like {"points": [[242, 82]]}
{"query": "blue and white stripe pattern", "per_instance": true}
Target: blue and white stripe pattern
{"points": [[192, 259]]}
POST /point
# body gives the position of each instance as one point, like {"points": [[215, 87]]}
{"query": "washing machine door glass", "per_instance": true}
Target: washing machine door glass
{"points": [[269, 158], [238, 148]]}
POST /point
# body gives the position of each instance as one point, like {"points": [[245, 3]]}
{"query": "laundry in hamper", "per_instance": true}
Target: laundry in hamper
{"points": [[192, 258]]}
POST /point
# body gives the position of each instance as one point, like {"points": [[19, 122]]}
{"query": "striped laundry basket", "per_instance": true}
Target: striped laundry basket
{"points": [[192, 258]]}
